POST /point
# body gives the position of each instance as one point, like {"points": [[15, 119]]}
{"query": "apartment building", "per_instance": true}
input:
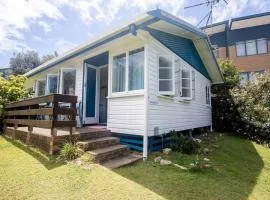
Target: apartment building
{"points": [[245, 40]]}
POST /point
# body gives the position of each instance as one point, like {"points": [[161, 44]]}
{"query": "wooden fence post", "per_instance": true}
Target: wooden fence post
{"points": [[72, 117]]}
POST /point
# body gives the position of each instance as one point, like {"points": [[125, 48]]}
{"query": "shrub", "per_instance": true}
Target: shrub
{"points": [[70, 151], [184, 144]]}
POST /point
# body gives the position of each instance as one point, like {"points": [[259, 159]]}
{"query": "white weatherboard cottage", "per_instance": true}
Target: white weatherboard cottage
{"points": [[147, 78]]}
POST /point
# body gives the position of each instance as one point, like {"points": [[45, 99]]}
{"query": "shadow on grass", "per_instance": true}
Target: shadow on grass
{"points": [[236, 167], [50, 162]]}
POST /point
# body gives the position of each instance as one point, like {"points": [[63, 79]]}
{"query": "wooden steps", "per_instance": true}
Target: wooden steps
{"points": [[106, 149]]}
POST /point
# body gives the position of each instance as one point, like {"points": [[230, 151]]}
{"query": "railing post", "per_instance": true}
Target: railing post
{"points": [[53, 129], [72, 118]]}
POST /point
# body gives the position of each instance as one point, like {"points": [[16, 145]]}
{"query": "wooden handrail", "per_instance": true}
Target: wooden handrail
{"points": [[32, 112]]}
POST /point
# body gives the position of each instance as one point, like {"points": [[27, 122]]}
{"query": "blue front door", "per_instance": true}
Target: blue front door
{"points": [[91, 93]]}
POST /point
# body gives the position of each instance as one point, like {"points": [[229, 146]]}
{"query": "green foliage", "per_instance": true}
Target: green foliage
{"points": [[230, 73], [12, 90], [244, 109], [184, 144], [70, 151]]}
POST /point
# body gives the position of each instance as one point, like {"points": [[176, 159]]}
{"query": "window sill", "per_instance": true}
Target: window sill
{"points": [[175, 99], [126, 94]]}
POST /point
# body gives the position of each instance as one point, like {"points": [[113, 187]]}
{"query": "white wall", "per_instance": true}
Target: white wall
{"points": [[126, 111], [167, 113]]}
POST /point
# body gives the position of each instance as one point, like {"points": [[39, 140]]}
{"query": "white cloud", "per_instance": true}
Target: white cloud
{"points": [[37, 38], [236, 8], [62, 46], [16, 17], [47, 28]]}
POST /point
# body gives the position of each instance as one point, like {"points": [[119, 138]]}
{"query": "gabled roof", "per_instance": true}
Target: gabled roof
{"points": [[156, 19]]}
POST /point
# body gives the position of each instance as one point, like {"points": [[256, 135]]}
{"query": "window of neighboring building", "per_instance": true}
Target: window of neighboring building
{"points": [[136, 69], [251, 47], [240, 49], [52, 84], [41, 86], [249, 76], [262, 46], [166, 75], [68, 81]]}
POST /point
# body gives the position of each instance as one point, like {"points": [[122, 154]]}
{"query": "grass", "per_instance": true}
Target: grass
{"points": [[241, 170]]}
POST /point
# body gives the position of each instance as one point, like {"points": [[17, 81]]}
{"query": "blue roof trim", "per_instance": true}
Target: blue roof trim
{"points": [[121, 34], [182, 47], [160, 14]]}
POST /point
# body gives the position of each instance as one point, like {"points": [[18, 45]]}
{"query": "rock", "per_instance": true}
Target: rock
{"points": [[157, 159], [167, 151], [180, 166], [206, 159], [197, 140], [165, 162], [191, 164], [207, 166], [206, 151]]}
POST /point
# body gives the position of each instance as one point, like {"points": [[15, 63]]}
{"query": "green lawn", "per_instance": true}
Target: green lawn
{"points": [[241, 170]]}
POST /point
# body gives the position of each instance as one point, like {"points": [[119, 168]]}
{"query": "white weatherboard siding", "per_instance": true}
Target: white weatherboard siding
{"points": [[126, 110], [168, 114]]}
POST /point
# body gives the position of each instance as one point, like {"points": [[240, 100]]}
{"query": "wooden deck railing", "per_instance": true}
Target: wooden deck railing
{"points": [[42, 112]]}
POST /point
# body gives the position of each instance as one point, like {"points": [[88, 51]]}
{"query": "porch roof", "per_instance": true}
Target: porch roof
{"points": [[156, 19]]}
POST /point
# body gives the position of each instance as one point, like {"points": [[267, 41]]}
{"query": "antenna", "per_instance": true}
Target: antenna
{"points": [[209, 15]]}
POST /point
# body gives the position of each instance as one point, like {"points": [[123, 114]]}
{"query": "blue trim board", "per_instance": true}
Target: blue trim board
{"points": [[182, 47]]}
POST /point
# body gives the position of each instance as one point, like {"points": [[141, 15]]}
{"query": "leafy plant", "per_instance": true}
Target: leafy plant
{"points": [[70, 151], [183, 144]]}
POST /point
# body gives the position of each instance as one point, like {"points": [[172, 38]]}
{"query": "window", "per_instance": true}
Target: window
{"points": [[208, 96], [244, 77], [166, 75], [68, 81], [251, 47], [119, 73], [186, 83], [240, 49], [52, 84], [136, 69], [193, 84], [249, 76], [41, 86], [262, 46]]}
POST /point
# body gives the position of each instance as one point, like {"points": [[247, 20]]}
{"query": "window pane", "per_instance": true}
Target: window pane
{"points": [[215, 50], [185, 73], [244, 77], [165, 61], [68, 81], [119, 72], [240, 49], [52, 84], [165, 73], [136, 69], [186, 83], [186, 92], [165, 85], [251, 47], [262, 46], [41, 88]]}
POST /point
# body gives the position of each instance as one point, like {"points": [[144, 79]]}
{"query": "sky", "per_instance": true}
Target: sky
{"points": [[60, 25]]}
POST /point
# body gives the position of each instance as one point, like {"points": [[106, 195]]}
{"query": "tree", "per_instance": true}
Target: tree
{"points": [[48, 57], [24, 62]]}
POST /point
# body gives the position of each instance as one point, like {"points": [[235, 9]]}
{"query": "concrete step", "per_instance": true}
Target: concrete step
{"points": [[98, 143], [122, 161], [89, 134], [104, 154]]}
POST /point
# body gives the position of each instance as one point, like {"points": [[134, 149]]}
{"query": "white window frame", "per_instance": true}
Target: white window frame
{"points": [[61, 79], [47, 83], [37, 86], [208, 95], [190, 78], [126, 91], [171, 93], [266, 41]]}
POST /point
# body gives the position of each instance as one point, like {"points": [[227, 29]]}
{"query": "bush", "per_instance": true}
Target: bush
{"points": [[243, 109], [184, 144], [70, 151]]}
